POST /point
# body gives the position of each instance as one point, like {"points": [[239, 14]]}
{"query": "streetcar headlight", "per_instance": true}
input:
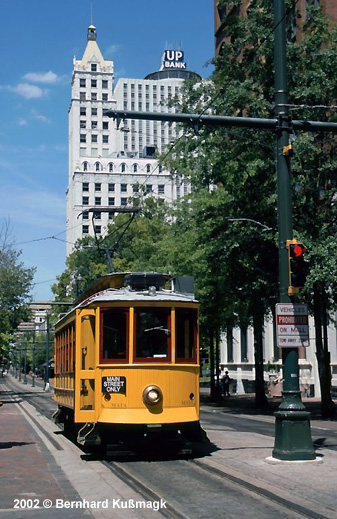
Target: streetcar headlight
{"points": [[152, 395]]}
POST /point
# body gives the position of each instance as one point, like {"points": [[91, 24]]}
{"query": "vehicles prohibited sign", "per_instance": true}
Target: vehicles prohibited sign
{"points": [[292, 325]]}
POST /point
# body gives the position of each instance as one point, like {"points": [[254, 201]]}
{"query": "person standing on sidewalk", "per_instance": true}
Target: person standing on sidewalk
{"points": [[225, 384]]}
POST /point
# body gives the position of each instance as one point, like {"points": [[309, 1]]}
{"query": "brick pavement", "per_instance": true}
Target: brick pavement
{"points": [[27, 469]]}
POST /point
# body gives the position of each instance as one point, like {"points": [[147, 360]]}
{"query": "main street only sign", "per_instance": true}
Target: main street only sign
{"points": [[292, 325]]}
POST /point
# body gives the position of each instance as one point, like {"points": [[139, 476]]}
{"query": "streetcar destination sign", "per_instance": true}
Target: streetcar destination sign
{"points": [[114, 384], [292, 325]]}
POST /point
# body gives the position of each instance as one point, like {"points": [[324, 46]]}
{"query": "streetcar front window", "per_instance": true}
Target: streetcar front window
{"points": [[186, 334], [114, 335], [153, 333]]}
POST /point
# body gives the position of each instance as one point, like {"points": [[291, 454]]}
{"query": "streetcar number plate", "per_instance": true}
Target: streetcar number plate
{"points": [[114, 385]]}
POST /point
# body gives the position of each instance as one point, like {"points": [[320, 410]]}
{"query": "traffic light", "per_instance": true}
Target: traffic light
{"points": [[297, 266]]}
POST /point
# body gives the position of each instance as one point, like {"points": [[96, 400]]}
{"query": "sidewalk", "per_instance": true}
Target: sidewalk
{"points": [[28, 470], [248, 457], [244, 404]]}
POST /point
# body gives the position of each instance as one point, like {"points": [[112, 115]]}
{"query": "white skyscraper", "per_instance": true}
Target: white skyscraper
{"points": [[108, 166]]}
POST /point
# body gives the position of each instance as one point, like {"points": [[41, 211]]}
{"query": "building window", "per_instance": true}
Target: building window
{"points": [[85, 216], [111, 187], [83, 137], [85, 166], [85, 186], [104, 83], [124, 201], [111, 167], [82, 83], [98, 186], [85, 229], [160, 169], [94, 152], [123, 167], [93, 83], [161, 189], [94, 97], [135, 168], [111, 200], [82, 96], [148, 188], [93, 125], [94, 112], [93, 67], [135, 188], [83, 152], [97, 215], [94, 138], [83, 111], [83, 124], [148, 168], [105, 139], [104, 97], [105, 125], [97, 200], [111, 215], [85, 200], [98, 229], [98, 166], [124, 188]]}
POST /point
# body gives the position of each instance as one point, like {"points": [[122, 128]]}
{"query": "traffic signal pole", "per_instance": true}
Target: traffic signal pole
{"points": [[292, 429]]}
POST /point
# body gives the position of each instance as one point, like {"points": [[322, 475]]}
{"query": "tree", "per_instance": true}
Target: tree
{"points": [[15, 285], [241, 162]]}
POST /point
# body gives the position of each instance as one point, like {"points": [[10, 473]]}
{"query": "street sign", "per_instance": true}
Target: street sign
{"points": [[292, 325]]}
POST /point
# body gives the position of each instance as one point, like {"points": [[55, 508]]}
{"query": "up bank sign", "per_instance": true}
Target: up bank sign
{"points": [[173, 59]]}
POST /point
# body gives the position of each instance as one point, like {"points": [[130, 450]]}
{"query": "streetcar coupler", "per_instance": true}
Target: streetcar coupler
{"points": [[88, 435]]}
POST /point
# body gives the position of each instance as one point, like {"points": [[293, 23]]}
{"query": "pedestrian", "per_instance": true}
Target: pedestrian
{"points": [[225, 384]]}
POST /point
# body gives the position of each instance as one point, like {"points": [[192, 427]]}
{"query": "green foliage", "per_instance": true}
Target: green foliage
{"points": [[15, 286]]}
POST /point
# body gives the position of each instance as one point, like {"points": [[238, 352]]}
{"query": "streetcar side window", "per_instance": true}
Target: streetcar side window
{"points": [[153, 334], [114, 335], [186, 334]]}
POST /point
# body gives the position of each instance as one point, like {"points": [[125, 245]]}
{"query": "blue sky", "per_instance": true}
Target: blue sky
{"points": [[40, 39]]}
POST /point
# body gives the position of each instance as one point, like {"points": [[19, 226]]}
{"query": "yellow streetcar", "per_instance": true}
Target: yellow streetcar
{"points": [[127, 362]]}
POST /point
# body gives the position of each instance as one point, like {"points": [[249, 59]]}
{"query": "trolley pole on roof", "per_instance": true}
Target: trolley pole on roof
{"points": [[292, 433]]}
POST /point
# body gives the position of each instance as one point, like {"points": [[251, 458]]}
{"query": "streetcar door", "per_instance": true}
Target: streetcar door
{"points": [[85, 367]]}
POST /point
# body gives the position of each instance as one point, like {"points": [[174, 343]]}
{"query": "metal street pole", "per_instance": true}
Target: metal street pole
{"points": [[20, 364], [292, 427], [25, 367], [46, 371], [33, 362]]}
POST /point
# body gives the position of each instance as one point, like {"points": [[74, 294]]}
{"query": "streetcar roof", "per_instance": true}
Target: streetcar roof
{"points": [[112, 295], [123, 294]]}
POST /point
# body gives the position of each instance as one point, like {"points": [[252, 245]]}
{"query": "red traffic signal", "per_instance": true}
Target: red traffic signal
{"points": [[297, 266]]}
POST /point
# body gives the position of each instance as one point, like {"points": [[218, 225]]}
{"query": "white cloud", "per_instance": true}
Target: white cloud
{"points": [[22, 122], [112, 49], [28, 91], [40, 117], [41, 209], [42, 77]]}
